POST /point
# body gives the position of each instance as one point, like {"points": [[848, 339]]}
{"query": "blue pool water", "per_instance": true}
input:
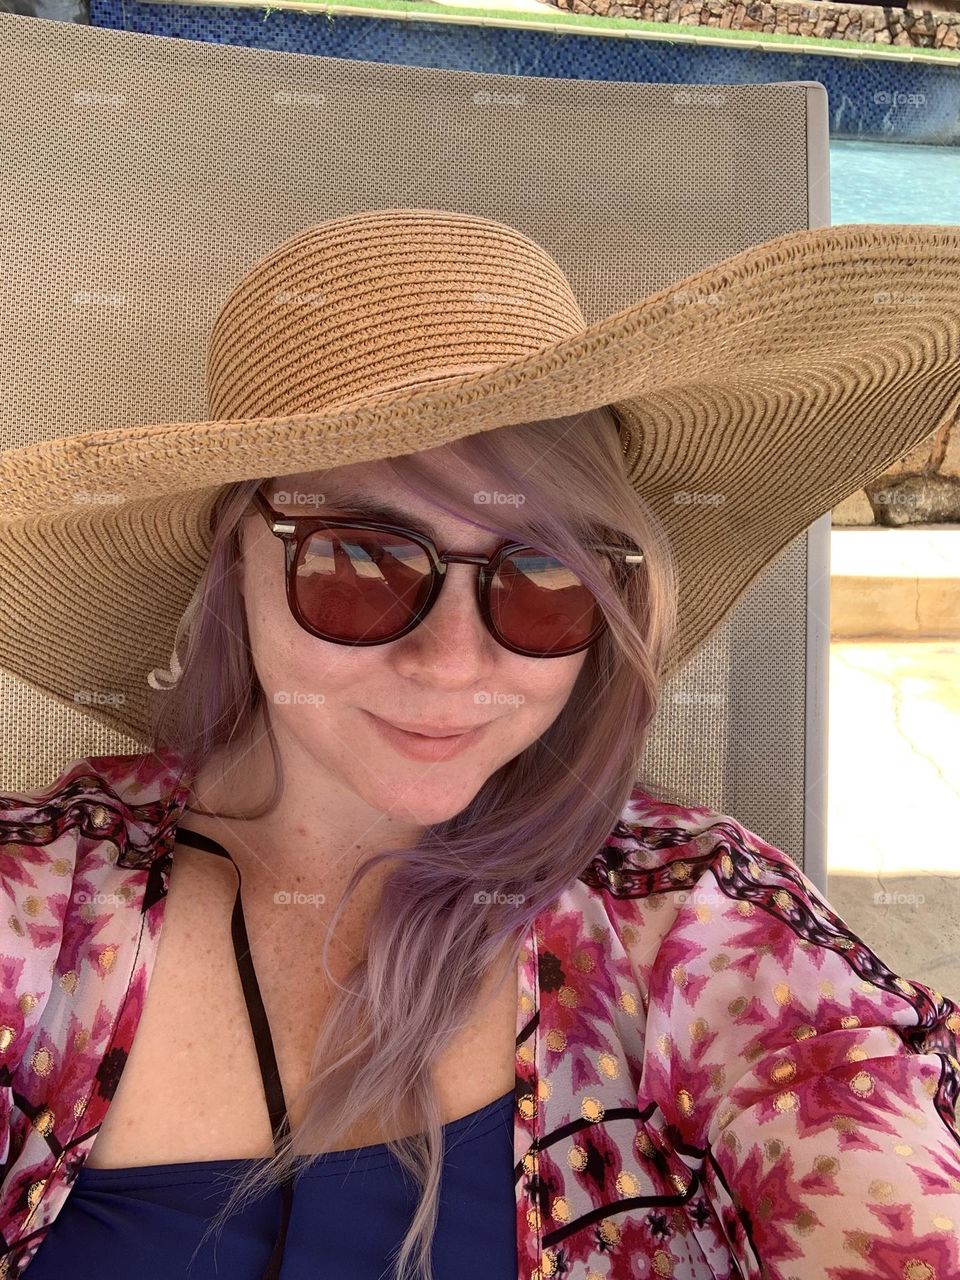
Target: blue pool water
{"points": [[894, 182]]}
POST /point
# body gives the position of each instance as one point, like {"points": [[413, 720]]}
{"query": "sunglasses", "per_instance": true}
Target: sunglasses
{"points": [[362, 582]]}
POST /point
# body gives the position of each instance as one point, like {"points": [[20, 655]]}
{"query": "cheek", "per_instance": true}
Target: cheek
{"points": [[537, 688]]}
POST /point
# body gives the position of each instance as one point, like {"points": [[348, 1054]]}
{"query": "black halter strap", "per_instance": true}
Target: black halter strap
{"points": [[267, 1058]]}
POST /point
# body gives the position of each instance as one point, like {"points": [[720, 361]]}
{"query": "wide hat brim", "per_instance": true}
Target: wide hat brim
{"points": [[753, 396]]}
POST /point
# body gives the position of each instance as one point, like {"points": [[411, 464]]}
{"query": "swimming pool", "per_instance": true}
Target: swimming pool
{"points": [[894, 182]]}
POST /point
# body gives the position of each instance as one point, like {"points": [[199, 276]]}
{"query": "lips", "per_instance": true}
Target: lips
{"points": [[431, 730]]}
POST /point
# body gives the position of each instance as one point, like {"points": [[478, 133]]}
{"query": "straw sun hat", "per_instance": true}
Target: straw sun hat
{"points": [[751, 397]]}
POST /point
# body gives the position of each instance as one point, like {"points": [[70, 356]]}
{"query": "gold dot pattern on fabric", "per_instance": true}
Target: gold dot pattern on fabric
{"points": [[663, 1045], [644, 1143], [826, 988], [43, 1121], [107, 958], [858, 1242], [856, 1054], [805, 1222], [577, 1159], [679, 974], [953, 1022], [549, 1263], [783, 1072], [736, 1007], [719, 962], [529, 1163], [827, 1166], [584, 962], [560, 1210], [786, 1101], [862, 1084], [628, 1003], [680, 871], [609, 1231], [525, 1054], [7, 1037], [544, 1089], [526, 1107], [680, 1182], [556, 1040], [745, 908], [16, 926], [725, 1117], [881, 1190], [917, 1269], [699, 1028], [783, 899], [718, 1076], [804, 1033], [903, 1149], [943, 1224], [99, 816], [568, 997], [32, 905], [591, 1109], [726, 864], [773, 1148], [42, 1062], [662, 1263], [609, 1066], [34, 1192], [626, 1184], [782, 993], [27, 1002], [849, 1020], [68, 982], [616, 881], [684, 1102]]}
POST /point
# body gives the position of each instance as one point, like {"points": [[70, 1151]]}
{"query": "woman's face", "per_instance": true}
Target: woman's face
{"points": [[447, 672]]}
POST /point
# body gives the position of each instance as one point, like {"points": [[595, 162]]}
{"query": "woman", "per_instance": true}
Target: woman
{"points": [[656, 1047]]}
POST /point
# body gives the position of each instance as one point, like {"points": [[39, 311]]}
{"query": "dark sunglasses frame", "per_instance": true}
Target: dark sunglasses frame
{"points": [[294, 530]]}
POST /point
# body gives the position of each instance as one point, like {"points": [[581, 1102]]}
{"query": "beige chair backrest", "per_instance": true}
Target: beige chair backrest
{"points": [[631, 187]]}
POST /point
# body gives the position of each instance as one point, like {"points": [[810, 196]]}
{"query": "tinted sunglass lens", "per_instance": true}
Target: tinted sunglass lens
{"points": [[538, 604], [360, 584]]}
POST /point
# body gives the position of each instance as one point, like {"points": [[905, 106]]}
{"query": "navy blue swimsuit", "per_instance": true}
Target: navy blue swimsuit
{"points": [[350, 1212]]}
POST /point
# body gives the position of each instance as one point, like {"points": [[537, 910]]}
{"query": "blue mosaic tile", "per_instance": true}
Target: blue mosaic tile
{"points": [[869, 98]]}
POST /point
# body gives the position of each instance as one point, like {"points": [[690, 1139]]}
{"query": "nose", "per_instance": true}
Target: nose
{"points": [[452, 640]]}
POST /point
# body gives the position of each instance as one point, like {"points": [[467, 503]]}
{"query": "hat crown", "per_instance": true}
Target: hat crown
{"points": [[377, 301]]}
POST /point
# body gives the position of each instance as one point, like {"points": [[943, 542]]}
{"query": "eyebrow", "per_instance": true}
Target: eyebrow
{"points": [[370, 507]]}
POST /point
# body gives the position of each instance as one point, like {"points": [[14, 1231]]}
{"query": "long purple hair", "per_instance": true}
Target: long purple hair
{"points": [[531, 829]]}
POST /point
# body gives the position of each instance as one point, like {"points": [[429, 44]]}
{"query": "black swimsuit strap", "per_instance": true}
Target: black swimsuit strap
{"points": [[267, 1058]]}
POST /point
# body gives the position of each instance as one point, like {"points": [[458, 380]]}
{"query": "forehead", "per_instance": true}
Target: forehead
{"points": [[371, 490]]}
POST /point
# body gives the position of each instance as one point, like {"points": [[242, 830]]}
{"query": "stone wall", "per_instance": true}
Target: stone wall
{"points": [[922, 488], [932, 26]]}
